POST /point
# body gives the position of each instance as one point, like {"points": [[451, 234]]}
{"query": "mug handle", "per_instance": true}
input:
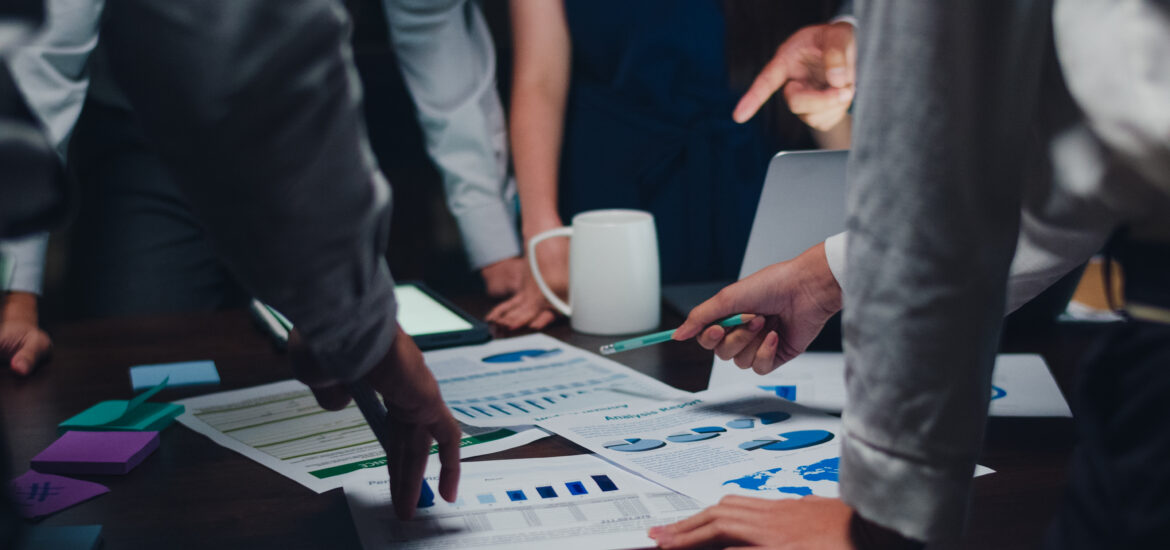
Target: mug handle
{"points": [[544, 289]]}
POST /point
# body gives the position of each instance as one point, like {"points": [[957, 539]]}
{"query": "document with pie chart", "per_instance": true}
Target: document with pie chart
{"points": [[728, 441], [522, 380]]}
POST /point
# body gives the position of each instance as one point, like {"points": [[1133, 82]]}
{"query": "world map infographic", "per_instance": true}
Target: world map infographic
{"points": [[819, 477]]}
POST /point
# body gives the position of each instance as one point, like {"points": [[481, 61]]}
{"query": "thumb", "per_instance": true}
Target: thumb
{"points": [[723, 304], [837, 46], [30, 352]]}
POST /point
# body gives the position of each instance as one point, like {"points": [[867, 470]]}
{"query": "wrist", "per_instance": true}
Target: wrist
{"points": [[537, 224], [19, 306], [817, 280]]}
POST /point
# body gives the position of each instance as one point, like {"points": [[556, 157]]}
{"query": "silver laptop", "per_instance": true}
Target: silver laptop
{"points": [[802, 204]]}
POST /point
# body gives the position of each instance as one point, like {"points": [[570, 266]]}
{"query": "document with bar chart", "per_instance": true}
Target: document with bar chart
{"points": [[280, 426], [570, 502], [526, 379]]}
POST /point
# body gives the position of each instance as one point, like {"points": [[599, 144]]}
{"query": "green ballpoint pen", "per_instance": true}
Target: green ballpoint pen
{"points": [[664, 336]]}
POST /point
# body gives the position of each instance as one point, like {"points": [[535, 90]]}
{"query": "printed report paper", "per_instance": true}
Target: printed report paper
{"points": [[280, 426], [1022, 385], [735, 440], [564, 502], [522, 380]]}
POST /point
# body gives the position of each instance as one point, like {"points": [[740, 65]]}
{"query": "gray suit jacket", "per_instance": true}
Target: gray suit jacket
{"points": [[963, 123], [257, 107]]}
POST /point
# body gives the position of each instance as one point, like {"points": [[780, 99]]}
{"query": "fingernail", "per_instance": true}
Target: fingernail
{"points": [[845, 95], [756, 324], [836, 73], [654, 532]]}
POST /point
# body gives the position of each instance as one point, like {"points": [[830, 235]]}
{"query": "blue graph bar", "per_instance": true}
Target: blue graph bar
{"points": [[522, 409], [517, 495], [546, 492], [604, 483], [486, 498], [534, 404], [483, 412], [501, 409], [576, 488]]}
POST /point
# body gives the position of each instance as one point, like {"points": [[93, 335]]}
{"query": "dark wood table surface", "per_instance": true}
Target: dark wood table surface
{"points": [[194, 493]]}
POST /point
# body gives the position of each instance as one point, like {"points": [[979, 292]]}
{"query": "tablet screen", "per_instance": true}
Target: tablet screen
{"points": [[420, 314]]}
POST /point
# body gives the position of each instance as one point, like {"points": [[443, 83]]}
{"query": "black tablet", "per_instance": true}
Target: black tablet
{"points": [[431, 320]]}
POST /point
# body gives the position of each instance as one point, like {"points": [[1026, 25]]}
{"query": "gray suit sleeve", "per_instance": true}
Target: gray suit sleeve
{"points": [[449, 64], [946, 91], [256, 107]]}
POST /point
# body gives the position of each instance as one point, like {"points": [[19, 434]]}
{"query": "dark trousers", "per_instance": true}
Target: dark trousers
{"points": [[1119, 486], [136, 247]]}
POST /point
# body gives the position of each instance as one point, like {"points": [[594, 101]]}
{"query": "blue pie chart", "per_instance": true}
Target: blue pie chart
{"points": [[634, 445], [789, 441], [742, 424], [772, 417], [520, 356]]}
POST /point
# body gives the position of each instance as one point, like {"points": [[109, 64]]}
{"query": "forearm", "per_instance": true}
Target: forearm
{"points": [[540, 88], [448, 61], [933, 225], [256, 108]]}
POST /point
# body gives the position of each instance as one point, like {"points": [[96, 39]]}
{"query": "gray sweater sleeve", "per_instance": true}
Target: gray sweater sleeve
{"points": [[256, 107], [946, 93]]}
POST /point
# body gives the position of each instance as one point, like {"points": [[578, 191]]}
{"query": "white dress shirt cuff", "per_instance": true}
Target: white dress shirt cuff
{"points": [[489, 234], [835, 255], [27, 256]]}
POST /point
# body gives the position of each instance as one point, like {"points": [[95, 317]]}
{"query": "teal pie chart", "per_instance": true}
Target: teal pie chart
{"points": [[634, 445], [789, 441]]}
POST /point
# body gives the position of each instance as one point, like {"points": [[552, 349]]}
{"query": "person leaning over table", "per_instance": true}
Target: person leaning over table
{"points": [[946, 184], [139, 248], [255, 107], [625, 105]]}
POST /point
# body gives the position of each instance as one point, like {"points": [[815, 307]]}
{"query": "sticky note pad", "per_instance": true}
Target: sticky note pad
{"points": [[79, 452], [187, 373], [61, 537], [133, 415], [39, 495]]}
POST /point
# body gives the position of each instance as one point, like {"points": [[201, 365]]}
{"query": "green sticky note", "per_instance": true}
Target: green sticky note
{"points": [[134, 415]]}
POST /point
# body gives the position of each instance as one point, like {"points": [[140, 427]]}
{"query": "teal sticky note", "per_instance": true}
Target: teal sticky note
{"points": [[62, 537], [134, 415], [187, 373]]}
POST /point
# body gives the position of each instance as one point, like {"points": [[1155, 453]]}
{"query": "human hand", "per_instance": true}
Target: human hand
{"points": [[809, 522], [416, 416], [816, 67], [505, 277], [528, 307], [23, 345], [796, 298]]}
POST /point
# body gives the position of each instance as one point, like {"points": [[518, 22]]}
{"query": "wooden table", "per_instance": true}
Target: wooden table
{"points": [[194, 493]]}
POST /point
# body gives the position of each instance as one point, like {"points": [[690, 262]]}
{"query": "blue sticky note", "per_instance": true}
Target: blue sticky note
{"points": [[188, 373]]}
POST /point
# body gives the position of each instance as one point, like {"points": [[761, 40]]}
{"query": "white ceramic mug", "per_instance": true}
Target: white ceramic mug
{"points": [[613, 272]]}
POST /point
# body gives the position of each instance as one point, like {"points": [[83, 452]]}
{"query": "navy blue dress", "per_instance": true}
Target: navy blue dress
{"points": [[648, 126]]}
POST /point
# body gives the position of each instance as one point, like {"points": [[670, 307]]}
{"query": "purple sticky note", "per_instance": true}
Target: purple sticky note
{"points": [[80, 452], [38, 494]]}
